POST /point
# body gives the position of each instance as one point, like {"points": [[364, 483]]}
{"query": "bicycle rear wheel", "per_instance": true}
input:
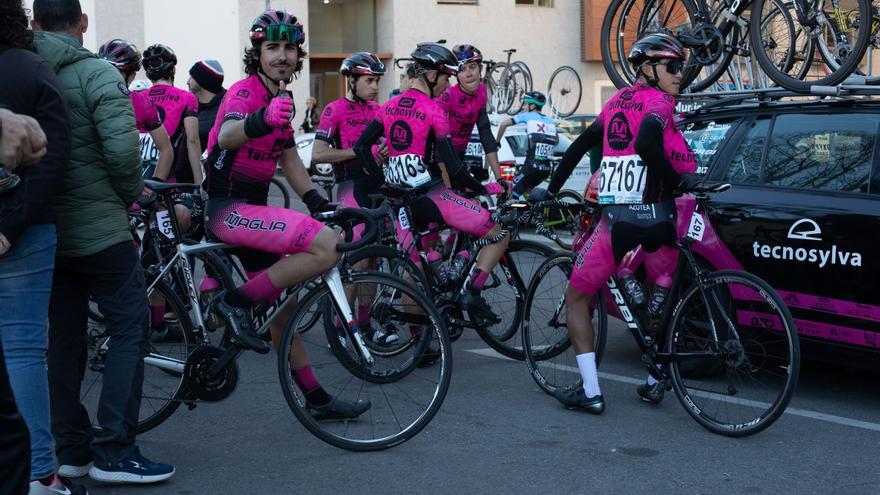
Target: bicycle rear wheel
{"points": [[403, 398], [279, 195], [164, 384], [564, 91], [756, 351], [548, 352], [505, 293], [848, 50]]}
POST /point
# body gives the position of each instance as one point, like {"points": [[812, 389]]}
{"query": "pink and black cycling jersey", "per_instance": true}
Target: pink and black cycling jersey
{"points": [[245, 172], [174, 105], [342, 123], [147, 119], [464, 110]]}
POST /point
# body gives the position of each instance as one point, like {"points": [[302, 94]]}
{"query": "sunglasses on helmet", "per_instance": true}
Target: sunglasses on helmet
{"points": [[292, 34]]}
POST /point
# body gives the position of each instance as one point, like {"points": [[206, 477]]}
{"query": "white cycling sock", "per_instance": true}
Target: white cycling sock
{"points": [[587, 366]]}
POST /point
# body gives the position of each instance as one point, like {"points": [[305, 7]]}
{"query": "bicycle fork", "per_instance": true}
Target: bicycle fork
{"points": [[337, 292]]}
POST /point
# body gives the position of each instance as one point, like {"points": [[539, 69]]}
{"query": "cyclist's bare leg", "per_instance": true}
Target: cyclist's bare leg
{"points": [[295, 268], [184, 217], [491, 254], [580, 326]]}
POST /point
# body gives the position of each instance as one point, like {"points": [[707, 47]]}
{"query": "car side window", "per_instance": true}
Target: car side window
{"points": [[705, 138], [822, 152], [745, 167]]}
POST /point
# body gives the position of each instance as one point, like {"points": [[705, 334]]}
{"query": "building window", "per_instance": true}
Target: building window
{"points": [[458, 2], [539, 3]]}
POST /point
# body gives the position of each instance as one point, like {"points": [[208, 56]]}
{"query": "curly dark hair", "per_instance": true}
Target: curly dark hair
{"points": [[14, 31], [252, 60]]}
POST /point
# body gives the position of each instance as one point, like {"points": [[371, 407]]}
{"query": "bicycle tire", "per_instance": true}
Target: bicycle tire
{"points": [[752, 333], [162, 407], [281, 185], [570, 225], [538, 347], [614, 58], [501, 337], [519, 86], [345, 435], [527, 72], [835, 76], [395, 263], [578, 89]]}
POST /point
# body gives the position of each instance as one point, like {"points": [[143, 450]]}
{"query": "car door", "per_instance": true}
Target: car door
{"points": [[802, 216]]}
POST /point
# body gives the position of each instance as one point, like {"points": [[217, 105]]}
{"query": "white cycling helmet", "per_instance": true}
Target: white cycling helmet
{"points": [[138, 85]]}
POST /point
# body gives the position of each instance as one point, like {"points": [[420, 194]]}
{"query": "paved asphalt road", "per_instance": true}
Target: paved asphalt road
{"points": [[498, 433]]}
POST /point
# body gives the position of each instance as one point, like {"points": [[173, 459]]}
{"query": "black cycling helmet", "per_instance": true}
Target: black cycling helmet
{"points": [[362, 64], [434, 56], [655, 46], [536, 98], [277, 25], [158, 61], [467, 53], [122, 54]]}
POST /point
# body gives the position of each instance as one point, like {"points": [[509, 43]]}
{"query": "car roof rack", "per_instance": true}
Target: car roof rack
{"points": [[854, 86]]}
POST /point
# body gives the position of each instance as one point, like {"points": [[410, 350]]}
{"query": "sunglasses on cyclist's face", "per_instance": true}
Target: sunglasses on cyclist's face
{"points": [[673, 66], [292, 34]]}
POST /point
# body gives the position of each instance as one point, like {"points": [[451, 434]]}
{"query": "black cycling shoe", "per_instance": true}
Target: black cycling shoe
{"points": [[240, 321], [652, 393], [480, 312], [338, 409], [576, 398]]}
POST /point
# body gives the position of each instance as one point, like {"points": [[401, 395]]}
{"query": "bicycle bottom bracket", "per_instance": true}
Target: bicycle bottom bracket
{"points": [[204, 385]]}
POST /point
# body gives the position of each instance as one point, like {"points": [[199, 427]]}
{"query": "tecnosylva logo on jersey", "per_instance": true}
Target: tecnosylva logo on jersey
{"points": [[235, 220], [807, 230]]}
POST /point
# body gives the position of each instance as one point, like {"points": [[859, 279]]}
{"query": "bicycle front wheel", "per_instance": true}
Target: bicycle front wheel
{"points": [[548, 351], [564, 91], [505, 294], [738, 321], [400, 397]]}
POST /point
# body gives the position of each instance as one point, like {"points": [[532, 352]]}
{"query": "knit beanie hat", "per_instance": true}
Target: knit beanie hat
{"points": [[208, 74]]}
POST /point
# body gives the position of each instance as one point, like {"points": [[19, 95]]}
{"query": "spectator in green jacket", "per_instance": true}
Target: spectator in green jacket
{"points": [[96, 259]]}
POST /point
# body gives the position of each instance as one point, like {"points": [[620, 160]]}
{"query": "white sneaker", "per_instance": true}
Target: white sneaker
{"points": [[56, 487], [71, 471]]}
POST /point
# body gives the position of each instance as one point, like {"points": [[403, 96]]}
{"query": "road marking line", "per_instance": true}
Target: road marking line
{"points": [[795, 411]]}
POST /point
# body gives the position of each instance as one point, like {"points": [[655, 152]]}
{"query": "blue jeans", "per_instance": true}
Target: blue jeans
{"points": [[25, 286]]}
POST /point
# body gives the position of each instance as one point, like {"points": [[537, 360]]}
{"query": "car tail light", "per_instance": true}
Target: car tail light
{"points": [[508, 170]]}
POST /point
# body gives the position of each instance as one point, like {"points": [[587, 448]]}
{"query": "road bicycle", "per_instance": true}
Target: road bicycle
{"points": [[191, 370], [445, 279], [506, 82], [725, 342]]}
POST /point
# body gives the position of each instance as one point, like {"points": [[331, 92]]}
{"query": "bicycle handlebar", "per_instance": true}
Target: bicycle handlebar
{"points": [[368, 217]]}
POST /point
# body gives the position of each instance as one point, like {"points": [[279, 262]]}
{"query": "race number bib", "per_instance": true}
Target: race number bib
{"points": [[697, 227], [622, 180], [544, 151], [475, 149], [406, 169], [164, 222], [403, 218], [149, 152]]}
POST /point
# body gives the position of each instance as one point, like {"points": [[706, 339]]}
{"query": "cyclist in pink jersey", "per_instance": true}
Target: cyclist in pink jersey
{"points": [[420, 154], [156, 150], [179, 109], [466, 105], [645, 162], [278, 247], [342, 123]]}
